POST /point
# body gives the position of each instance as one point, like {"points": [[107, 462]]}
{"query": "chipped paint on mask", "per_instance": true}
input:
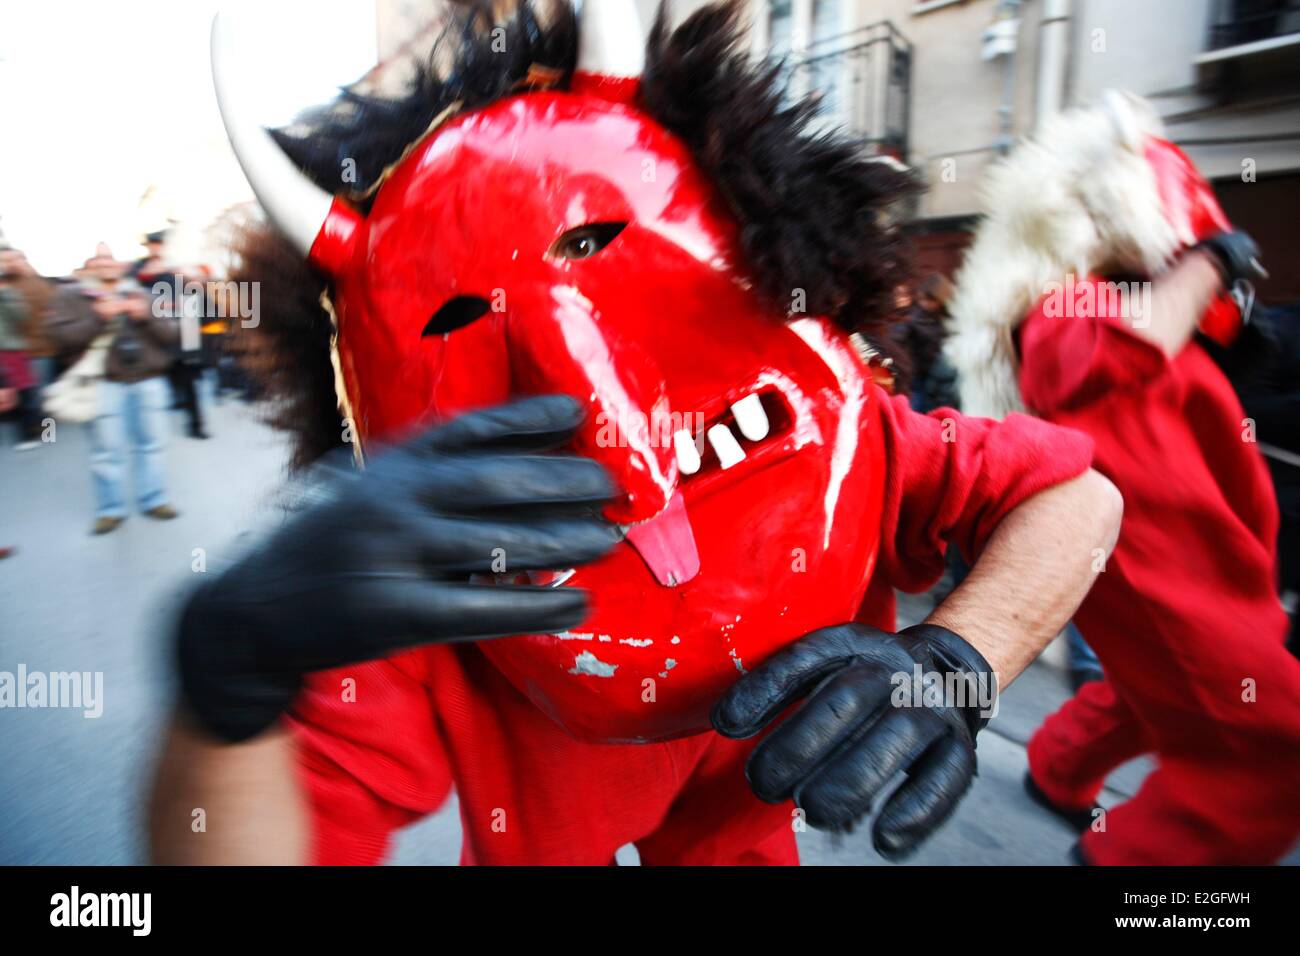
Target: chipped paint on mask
{"points": [[589, 664]]}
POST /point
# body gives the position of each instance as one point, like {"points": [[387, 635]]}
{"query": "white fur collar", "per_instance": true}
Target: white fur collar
{"points": [[1078, 198]]}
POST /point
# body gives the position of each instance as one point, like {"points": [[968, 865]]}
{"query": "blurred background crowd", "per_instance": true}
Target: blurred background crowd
{"points": [[120, 344]]}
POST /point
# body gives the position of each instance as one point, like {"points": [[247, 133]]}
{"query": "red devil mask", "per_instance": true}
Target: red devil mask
{"points": [[563, 242], [1191, 208]]}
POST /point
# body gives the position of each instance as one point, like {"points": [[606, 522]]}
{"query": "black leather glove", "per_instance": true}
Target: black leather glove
{"points": [[1237, 256], [837, 752], [383, 564]]}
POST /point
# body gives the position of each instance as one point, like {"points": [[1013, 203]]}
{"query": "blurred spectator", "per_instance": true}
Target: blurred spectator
{"points": [[38, 293], [166, 284], [153, 264], [187, 371], [219, 345], [15, 366], [933, 380], [112, 313], [1081, 658], [8, 402]]}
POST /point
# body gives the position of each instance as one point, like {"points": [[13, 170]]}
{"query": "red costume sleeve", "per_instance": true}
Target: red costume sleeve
{"points": [[953, 478], [1069, 360], [370, 756]]}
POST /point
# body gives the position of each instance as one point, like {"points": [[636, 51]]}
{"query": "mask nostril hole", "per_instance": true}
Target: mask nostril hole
{"points": [[462, 310]]}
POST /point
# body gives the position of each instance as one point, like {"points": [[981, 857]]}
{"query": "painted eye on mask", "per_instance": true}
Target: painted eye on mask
{"points": [[585, 241]]}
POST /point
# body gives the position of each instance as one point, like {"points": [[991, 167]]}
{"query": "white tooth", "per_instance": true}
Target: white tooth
{"points": [[750, 417], [725, 444], [563, 576], [688, 456]]}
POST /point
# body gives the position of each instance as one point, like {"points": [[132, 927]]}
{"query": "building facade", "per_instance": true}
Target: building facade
{"points": [[949, 85]]}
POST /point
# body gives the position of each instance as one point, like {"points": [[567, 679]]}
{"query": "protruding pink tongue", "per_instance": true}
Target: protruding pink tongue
{"points": [[666, 544]]}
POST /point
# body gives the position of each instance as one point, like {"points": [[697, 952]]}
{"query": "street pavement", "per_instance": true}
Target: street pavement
{"points": [[72, 789]]}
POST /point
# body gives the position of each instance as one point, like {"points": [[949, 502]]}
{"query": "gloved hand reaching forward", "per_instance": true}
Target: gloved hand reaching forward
{"points": [[383, 564], [835, 754]]}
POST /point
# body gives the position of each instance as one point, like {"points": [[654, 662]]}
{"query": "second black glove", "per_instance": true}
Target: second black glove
{"points": [[835, 754]]}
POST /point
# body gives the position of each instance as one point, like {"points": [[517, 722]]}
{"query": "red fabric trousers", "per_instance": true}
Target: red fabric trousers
{"points": [[1226, 788], [1185, 617]]}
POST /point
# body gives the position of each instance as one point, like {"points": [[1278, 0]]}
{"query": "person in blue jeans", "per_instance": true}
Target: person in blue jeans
{"points": [[130, 427], [131, 424]]}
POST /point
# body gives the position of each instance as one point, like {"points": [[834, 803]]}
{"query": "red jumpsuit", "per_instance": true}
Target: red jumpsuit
{"points": [[1185, 618], [442, 716]]}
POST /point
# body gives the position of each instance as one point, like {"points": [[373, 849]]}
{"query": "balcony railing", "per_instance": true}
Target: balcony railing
{"points": [[861, 81], [1239, 22]]}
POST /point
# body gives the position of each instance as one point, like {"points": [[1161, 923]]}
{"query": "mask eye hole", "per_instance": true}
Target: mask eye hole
{"points": [[585, 241], [462, 310]]}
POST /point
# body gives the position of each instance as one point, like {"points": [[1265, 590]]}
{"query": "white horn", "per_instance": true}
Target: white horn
{"points": [[296, 205], [610, 40]]}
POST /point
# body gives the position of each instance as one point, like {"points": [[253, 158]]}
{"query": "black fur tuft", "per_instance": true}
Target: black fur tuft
{"points": [[287, 352], [488, 59], [811, 205]]}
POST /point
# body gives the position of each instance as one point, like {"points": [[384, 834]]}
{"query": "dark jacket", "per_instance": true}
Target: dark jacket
{"points": [[138, 349], [13, 321], [38, 293]]}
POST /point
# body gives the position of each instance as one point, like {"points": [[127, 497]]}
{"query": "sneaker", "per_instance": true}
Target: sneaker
{"points": [[163, 513], [27, 445], [105, 524]]}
